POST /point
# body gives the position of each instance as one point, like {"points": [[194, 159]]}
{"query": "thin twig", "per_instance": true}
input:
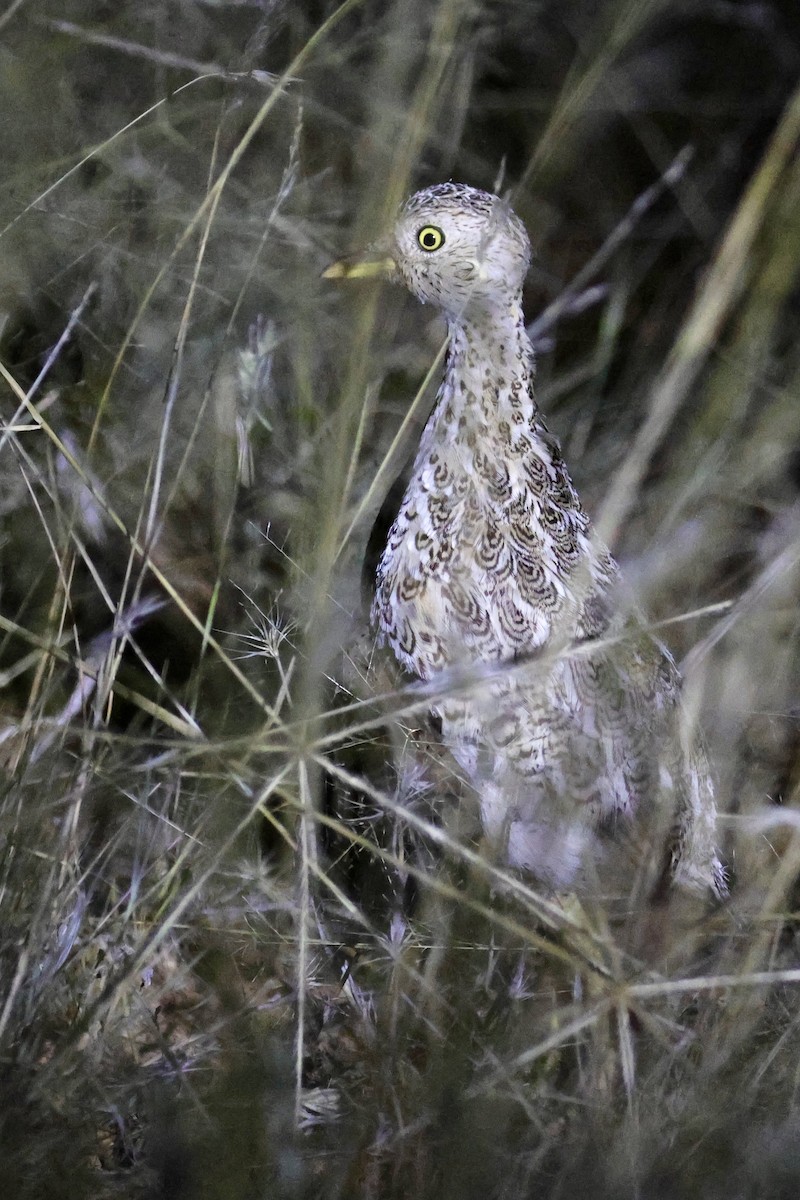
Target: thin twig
{"points": [[569, 297], [164, 58]]}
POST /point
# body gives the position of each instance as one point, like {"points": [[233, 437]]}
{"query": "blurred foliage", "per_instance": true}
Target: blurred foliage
{"points": [[240, 954]]}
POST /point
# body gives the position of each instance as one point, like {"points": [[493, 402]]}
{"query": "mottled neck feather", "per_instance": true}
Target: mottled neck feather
{"points": [[486, 439], [488, 381]]}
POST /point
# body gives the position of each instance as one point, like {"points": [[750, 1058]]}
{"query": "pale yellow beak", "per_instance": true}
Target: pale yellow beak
{"points": [[361, 266]]}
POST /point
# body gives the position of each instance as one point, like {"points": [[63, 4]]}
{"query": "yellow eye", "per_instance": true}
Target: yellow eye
{"points": [[430, 238]]}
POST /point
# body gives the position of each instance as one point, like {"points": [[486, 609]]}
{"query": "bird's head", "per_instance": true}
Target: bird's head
{"points": [[454, 246], [460, 248]]}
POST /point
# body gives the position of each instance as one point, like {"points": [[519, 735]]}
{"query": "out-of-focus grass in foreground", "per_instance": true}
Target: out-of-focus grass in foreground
{"points": [[249, 943]]}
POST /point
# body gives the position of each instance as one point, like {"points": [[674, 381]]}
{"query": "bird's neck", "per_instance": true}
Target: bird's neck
{"points": [[488, 378]]}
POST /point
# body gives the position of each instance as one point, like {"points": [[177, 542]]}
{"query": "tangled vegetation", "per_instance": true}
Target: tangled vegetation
{"points": [[249, 944]]}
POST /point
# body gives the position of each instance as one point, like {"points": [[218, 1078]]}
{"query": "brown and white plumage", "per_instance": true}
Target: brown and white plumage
{"points": [[570, 728]]}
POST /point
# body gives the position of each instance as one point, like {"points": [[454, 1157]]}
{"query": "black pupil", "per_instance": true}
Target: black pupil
{"points": [[429, 240]]}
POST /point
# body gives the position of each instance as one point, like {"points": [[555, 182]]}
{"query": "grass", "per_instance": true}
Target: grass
{"points": [[247, 944]]}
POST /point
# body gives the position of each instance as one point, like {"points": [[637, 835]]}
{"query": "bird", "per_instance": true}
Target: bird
{"points": [[559, 706]]}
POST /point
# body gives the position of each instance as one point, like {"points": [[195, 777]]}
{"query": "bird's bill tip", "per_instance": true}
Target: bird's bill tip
{"points": [[365, 267]]}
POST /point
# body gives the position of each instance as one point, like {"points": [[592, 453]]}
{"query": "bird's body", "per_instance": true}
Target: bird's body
{"points": [[566, 716]]}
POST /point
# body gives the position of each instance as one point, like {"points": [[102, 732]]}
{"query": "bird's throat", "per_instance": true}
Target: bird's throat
{"points": [[488, 383]]}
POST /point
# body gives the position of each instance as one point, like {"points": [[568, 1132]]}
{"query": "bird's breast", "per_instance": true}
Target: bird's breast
{"points": [[491, 553], [474, 568]]}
